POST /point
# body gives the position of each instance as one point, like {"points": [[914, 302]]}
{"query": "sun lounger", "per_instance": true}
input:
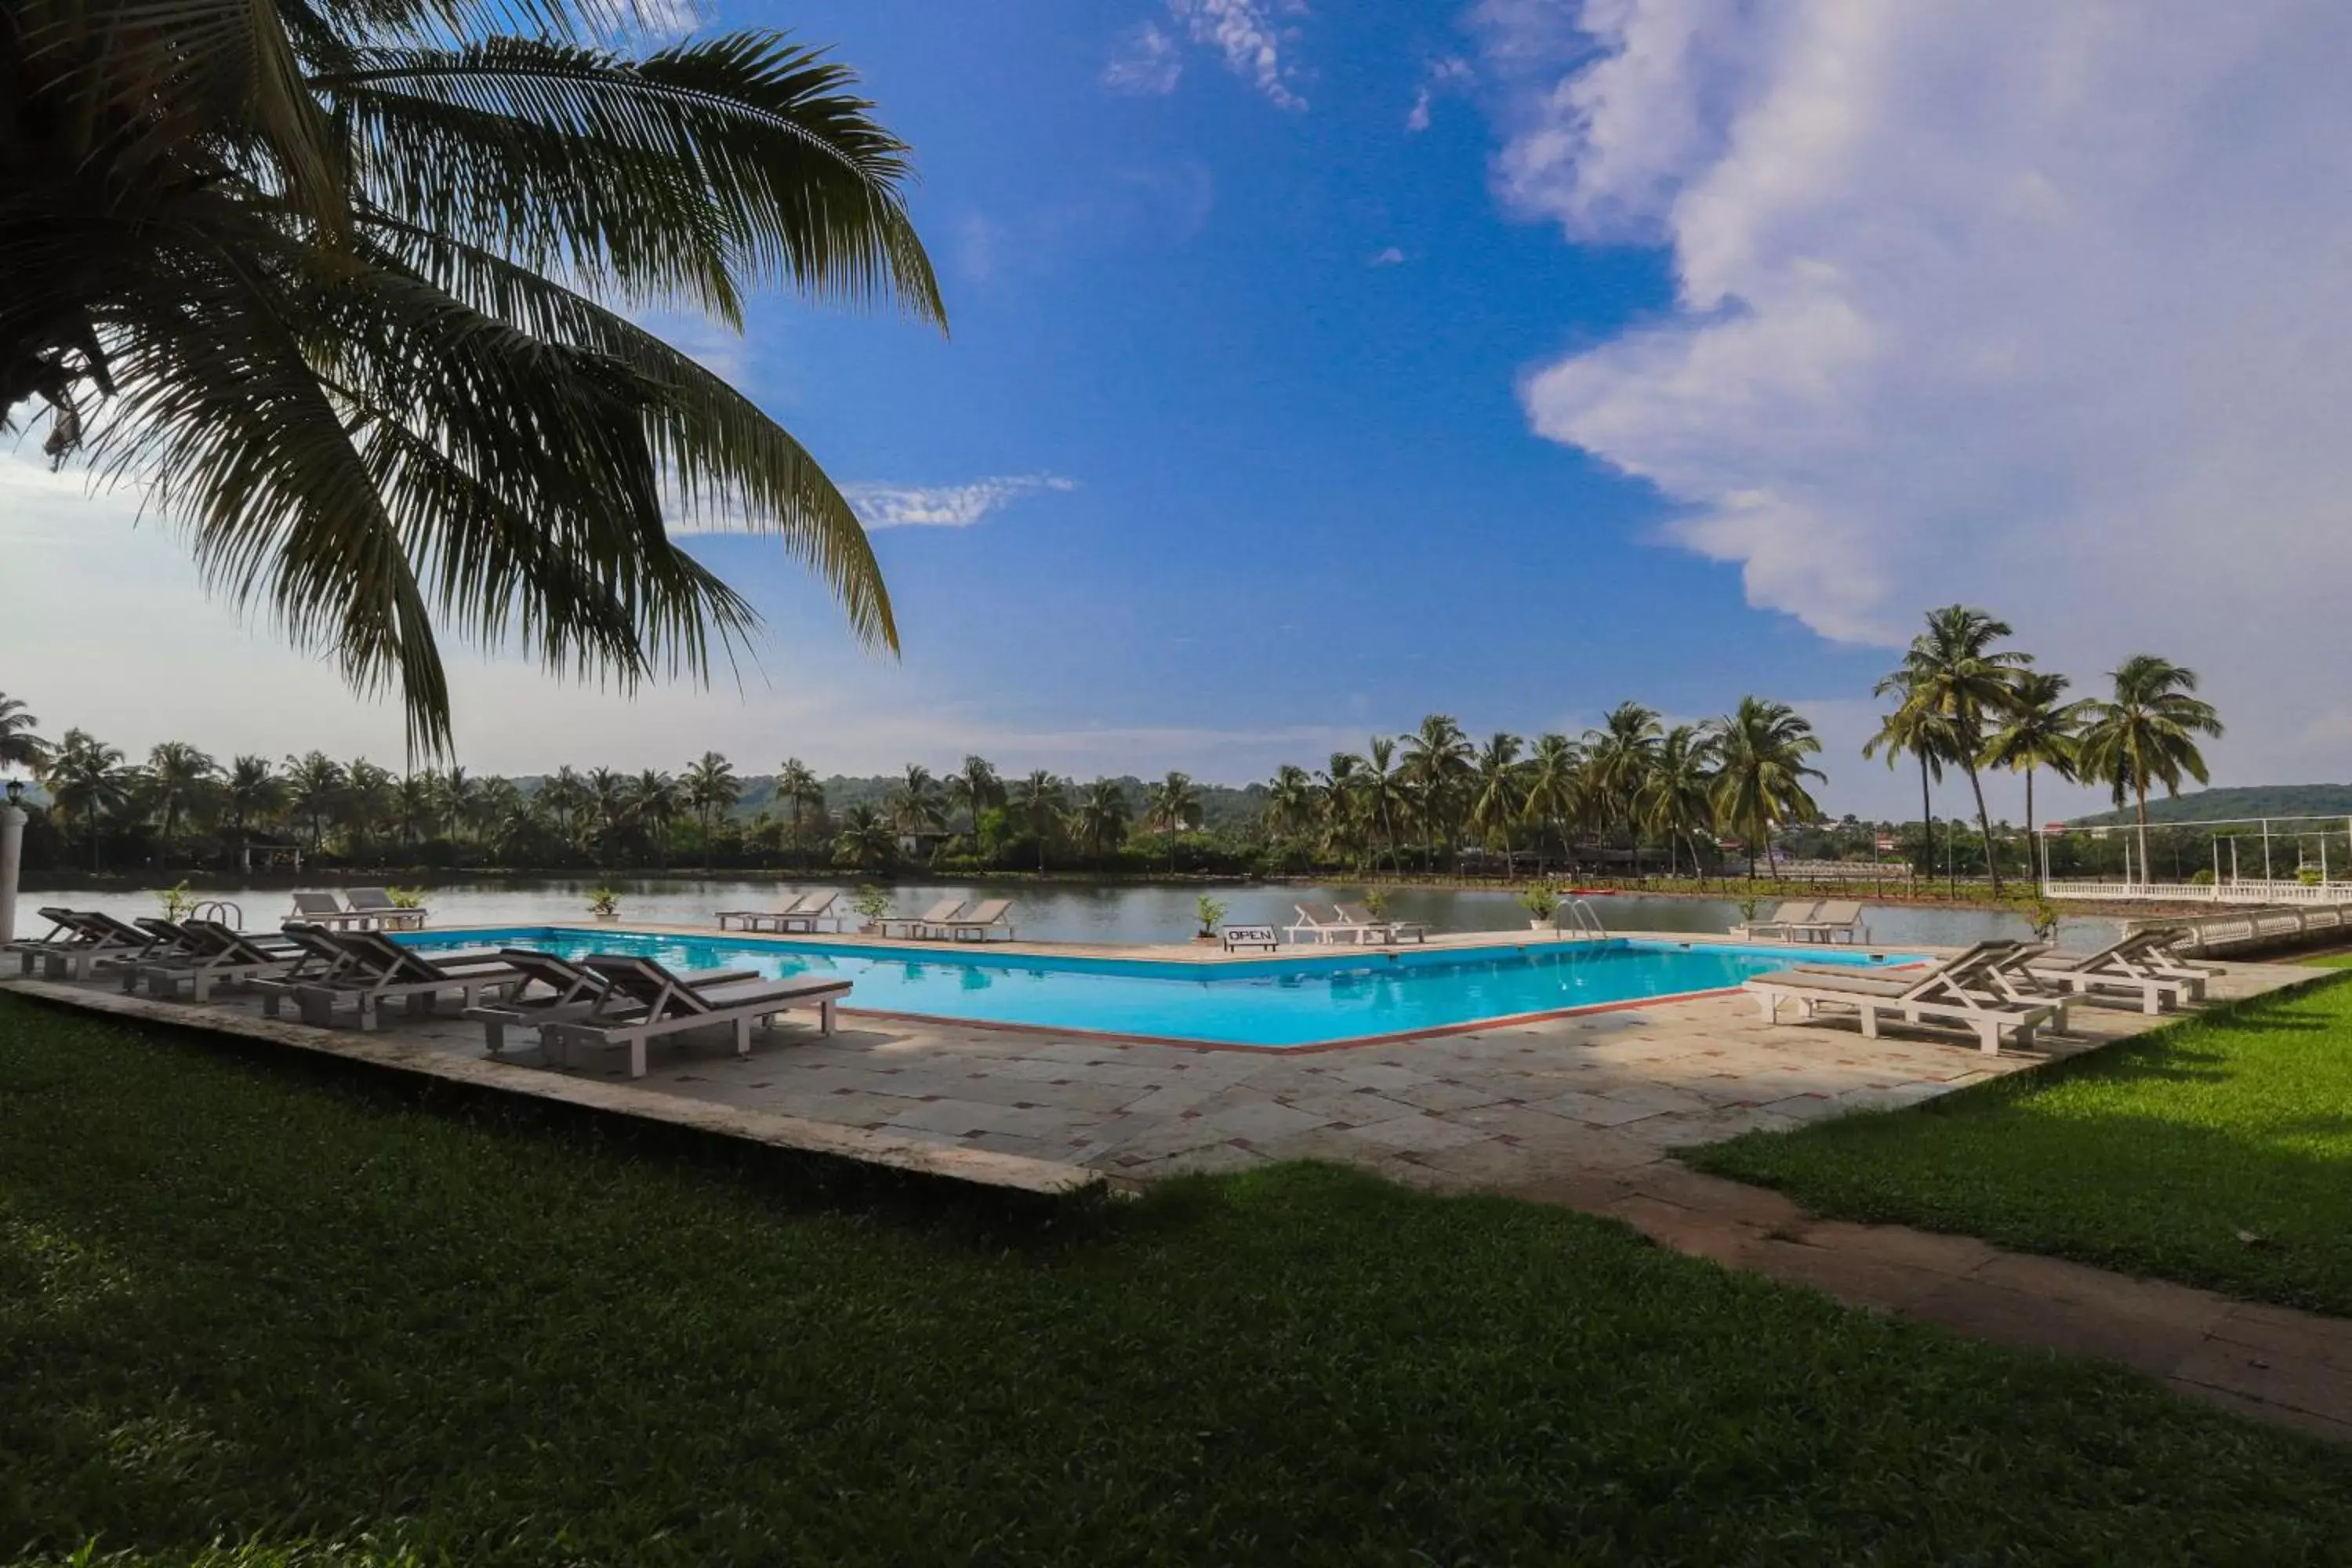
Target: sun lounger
{"points": [[326, 910], [923, 924], [975, 923], [381, 970], [1387, 930], [1960, 990], [376, 904], [1838, 919], [77, 941], [1325, 922], [570, 990], [226, 958], [2137, 966], [754, 920], [812, 911], [643, 1001], [1791, 914]]}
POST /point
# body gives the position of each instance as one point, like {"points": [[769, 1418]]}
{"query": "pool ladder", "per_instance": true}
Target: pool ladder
{"points": [[1578, 914]]}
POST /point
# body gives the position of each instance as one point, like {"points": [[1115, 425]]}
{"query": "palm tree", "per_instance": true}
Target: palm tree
{"points": [[314, 787], [709, 787], [366, 802], [1290, 804], [973, 789], [251, 795], [1953, 671], [415, 808], [1438, 767], [1340, 795], [1760, 784], [1037, 803], [177, 772], [460, 799], [19, 746], [501, 807], [562, 794], [350, 289], [798, 788], [1675, 799], [1918, 727], [1171, 807], [2040, 730], [918, 805], [1498, 797], [1101, 818], [86, 780], [2146, 735], [1379, 790], [867, 839], [653, 802], [1555, 786], [1617, 761]]}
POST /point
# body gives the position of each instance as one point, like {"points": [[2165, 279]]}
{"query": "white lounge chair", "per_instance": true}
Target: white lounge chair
{"points": [[78, 941], [1325, 923], [1387, 930], [224, 957], [815, 908], [923, 924], [976, 924], [381, 970], [753, 920], [326, 910], [1792, 913], [2139, 966], [376, 904], [643, 1001], [572, 992], [1960, 990], [1838, 919]]}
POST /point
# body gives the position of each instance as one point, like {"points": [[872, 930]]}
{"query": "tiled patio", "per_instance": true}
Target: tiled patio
{"points": [[1510, 1108]]}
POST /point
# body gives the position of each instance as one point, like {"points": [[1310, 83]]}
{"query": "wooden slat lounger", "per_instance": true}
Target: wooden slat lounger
{"points": [[1956, 991], [663, 1003]]}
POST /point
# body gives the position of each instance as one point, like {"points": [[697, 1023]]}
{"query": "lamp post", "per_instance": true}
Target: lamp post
{"points": [[12, 856]]}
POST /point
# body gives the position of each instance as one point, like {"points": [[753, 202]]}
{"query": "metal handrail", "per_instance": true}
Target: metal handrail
{"points": [[221, 910], [1585, 919]]}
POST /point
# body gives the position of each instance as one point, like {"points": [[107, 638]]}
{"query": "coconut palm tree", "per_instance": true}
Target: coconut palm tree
{"points": [[1439, 763], [314, 787], [918, 805], [1917, 727], [1102, 817], [562, 795], [1954, 673], [1617, 760], [606, 819], [87, 783], [177, 775], [352, 292], [867, 839], [2145, 734], [1039, 803], [1759, 784], [251, 794], [710, 788], [460, 797], [501, 806], [1380, 793], [653, 803], [1290, 803], [1675, 800], [974, 788], [19, 746], [1498, 795], [1555, 789], [1340, 802], [415, 807], [2039, 729], [797, 787], [365, 802]]}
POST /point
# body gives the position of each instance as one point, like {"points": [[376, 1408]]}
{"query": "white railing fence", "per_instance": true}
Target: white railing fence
{"points": [[2248, 892]]}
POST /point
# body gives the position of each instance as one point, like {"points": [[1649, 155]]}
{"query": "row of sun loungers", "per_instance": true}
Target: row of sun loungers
{"points": [[1997, 990], [345, 978], [1326, 923], [362, 909], [1832, 920], [947, 920]]}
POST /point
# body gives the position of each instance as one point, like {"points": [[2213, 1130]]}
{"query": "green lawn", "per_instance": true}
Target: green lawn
{"points": [[289, 1308], [2215, 1152]]}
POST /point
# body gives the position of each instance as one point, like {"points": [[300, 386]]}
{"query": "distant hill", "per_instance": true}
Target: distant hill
{"points": [[2242, 800]]}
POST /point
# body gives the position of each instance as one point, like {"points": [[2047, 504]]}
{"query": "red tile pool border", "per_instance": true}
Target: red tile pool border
{"points": [[1511, 1020]]}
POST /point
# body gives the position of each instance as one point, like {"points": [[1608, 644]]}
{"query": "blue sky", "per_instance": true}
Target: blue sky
{"points": [[1318, 366]]}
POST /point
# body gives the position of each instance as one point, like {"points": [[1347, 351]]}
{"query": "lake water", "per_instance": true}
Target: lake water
{"points": [[1075, 912]]}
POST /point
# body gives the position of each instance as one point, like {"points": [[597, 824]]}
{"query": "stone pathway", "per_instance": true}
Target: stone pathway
{"points": [[2270, 1362]]}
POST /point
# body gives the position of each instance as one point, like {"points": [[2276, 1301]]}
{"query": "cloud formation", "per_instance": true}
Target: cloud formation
{"points": [[1145, 61], [1250, 35], [1391, 256], [946, 506], [2040, 307], [1443, 73]]}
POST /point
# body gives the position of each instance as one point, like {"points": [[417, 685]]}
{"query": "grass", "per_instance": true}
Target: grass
{"points": [[2216, 1152], [257, 1311]]}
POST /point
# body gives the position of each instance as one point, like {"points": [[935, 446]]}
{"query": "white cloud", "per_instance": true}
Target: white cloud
{"points": [[1443, 73], [1416, 119], [1145, 61], [2042, 307], [946, 506], [1391, 256], [1250, 35]]}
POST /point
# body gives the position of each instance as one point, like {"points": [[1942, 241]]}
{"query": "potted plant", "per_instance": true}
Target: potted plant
{"points": [[604, 903], [178, 903], [1210, 913], [1376, 903], [409, 898], [871, 904], [1541, 901]]}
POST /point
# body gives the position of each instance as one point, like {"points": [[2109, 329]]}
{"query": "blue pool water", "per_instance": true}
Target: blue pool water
{"points": [[1285, 1001]]}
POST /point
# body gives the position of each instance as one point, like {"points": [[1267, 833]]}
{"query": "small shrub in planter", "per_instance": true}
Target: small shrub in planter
{"points": [[871, 904], [1541, 901], [1210, 911], [604, 903]]}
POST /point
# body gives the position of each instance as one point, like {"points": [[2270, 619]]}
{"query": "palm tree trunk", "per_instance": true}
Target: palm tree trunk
{"points": [[2033, 833], [1984, 826], [2142, 790], [1927, 821]]}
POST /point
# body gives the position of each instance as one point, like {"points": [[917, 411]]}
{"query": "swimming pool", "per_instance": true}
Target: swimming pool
{"points": [[1289, 1001]]}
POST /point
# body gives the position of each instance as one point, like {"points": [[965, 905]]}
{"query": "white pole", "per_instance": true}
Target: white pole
{"points": [[12, 858], [2266, 849]]}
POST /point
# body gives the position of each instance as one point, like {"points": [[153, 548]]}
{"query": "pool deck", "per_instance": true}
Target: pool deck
{"points": [[1510, 1106]]}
